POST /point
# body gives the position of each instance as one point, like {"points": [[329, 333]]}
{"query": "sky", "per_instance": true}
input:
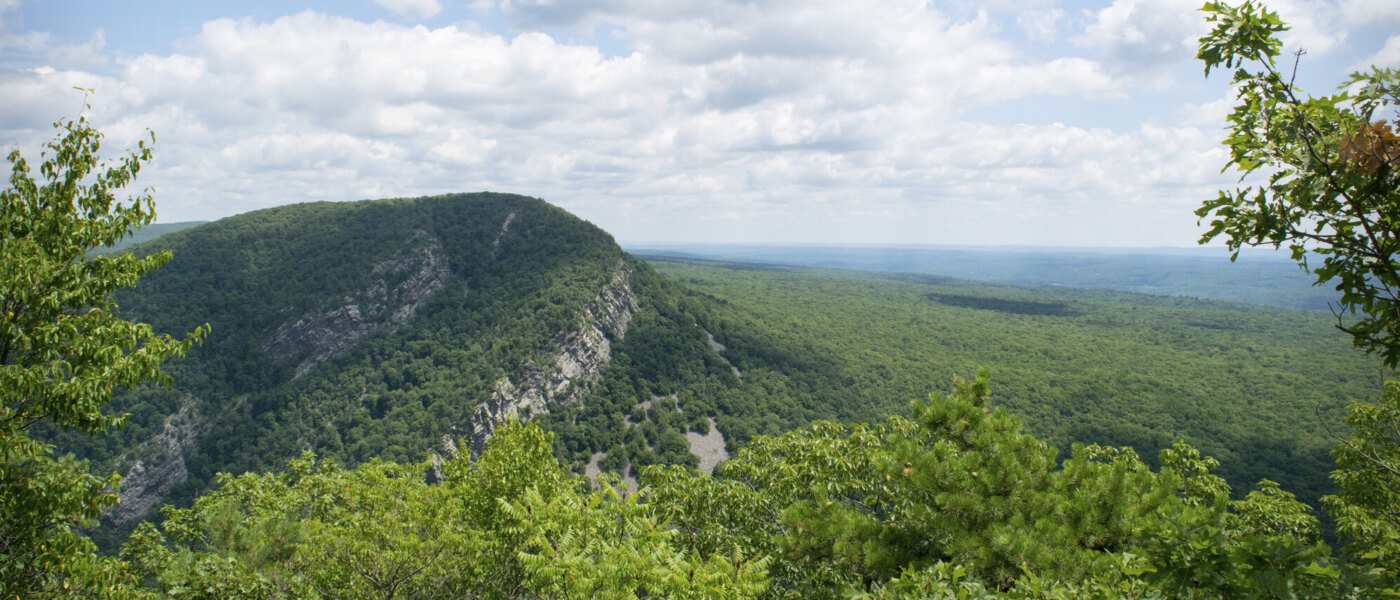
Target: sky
{"points": [[974, 122]]}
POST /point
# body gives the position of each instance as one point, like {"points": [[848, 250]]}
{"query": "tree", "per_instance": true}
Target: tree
{"points": [[64, 348], [1367, 504], [1334, 191], [956, 501], [511, 524], [1330, 167]]}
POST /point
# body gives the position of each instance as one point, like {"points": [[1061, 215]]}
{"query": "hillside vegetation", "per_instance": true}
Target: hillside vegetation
{"points": [[363, 330], [1242, 383], [396, 329]]}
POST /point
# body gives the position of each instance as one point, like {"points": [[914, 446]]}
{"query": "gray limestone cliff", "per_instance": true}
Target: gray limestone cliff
{"points": [[579, 357], [420, 270], [157, 465]]}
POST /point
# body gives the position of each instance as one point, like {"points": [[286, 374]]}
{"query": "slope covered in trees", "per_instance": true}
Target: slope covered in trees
{"points": [[1242, 383], [362, 330]]}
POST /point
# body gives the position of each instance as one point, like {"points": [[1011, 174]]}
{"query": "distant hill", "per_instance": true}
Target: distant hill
{"points": [[150, 232], [1257, 277]]}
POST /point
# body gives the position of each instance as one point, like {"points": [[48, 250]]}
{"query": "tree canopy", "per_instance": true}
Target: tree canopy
{"points": [[1331, 186], [1332, 191], [63, 346]]}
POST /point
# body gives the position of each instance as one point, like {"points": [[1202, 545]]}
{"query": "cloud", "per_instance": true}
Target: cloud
{"points": [[785, 113], [5, 7], [1387, 56], [87, 55], [420, 8], [1144, 34], [1040, 25], [1369, 12], [1314, 25]]}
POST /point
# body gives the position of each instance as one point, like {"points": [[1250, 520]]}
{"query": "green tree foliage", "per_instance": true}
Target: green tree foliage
{"points": [[512, 524], [1241, 383], [958, 498], [1332, 189], [1238, 382], [1367, 507], [64, 349], [394, 392]]}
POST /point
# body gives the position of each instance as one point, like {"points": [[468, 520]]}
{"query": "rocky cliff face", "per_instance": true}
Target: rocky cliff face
{"points": [[420, 270], [505, 228], [159, 465], [579, 357]]}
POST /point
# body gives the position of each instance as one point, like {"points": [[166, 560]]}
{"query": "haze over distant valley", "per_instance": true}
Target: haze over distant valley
{"points": [[1257, 276]]}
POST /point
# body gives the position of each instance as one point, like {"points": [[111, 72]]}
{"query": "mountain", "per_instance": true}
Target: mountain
{"points": [[150, 232], [389, 329], [398, 329]]}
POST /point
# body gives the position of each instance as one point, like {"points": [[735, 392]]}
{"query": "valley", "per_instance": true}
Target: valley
{"points": [[1243, 383]]}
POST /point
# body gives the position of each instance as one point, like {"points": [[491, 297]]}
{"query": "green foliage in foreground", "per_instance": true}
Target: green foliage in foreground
{"points": [[887, 510], [63, 348], [1367, 509], [509, 525], [952, 502], [1333, 186]]}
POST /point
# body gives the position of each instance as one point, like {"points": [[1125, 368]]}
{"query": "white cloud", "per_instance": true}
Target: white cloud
{"points": [[1371, 12], [421, 8], [1145, 34], [1387, 56], [1210, 115], [87, 55], [1041, 25], [1314, 25], [5, 7], [784, 114]]}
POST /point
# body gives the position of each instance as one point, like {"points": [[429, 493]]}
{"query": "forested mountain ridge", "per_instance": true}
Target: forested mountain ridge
{"points": [[369, 330]]}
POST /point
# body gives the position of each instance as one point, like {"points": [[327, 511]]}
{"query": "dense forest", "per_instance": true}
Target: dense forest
{"points": [[758, 349], [1242, 383], [446, 302]]}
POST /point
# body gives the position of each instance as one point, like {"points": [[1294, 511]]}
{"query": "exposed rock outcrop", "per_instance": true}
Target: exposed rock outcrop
{"points": [[709, 447], [505, 227], [579, 357], [420, 270], [448, 451], [159, 465], [719, 349]]}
